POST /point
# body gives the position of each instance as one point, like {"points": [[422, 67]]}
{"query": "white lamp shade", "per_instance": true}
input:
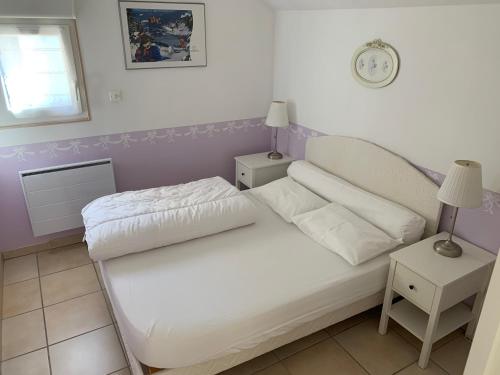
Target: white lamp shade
{"points": [[463, 185], [278, 115]]}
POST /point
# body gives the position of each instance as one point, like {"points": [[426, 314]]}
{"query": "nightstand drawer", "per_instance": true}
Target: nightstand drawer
{"points": [[414, 287], [244, 174]]}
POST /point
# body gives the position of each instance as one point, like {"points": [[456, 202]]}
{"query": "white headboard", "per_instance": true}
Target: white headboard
{"points": [[378, 171]]}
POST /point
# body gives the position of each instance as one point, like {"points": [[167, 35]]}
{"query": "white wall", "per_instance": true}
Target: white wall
{"points": [[352, 4], [444, 104], [236, 84], [37, 8]]}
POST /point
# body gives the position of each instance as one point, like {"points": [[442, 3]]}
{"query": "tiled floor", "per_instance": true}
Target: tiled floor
{"points": [[56, 321]]}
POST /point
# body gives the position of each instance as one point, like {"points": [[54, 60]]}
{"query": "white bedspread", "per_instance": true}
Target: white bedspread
{"points": [[135, 221], [210, 297]]}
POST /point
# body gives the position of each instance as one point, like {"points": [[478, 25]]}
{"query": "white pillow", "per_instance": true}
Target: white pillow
{"points": [[288, 198], [397, 221], [344, 233]]}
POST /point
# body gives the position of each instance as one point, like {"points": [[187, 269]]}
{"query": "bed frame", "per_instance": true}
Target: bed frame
{"points": [[363, 164]]}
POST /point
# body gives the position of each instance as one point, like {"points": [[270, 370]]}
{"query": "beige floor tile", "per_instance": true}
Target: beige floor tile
{"points": [[22, 334], [95, 353], [21, 297], [76, 316], [20, 269], [379, 355], [61, 286], [453, 355], [416, 343], [325, 358], [297, 346], [254, 365], [277, 369], [348, 323], [124, 371], [432, 369], [63, 258], [34, 363]]}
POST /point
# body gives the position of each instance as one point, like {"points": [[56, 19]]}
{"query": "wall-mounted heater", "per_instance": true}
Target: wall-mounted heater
{"points": [[55, 196]]}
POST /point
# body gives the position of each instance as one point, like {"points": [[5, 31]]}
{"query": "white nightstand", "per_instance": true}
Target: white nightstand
{"points": [[434, 288], [256, 170]]}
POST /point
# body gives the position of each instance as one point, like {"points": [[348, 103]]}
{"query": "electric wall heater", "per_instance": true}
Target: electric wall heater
{"points": [[55, 196]]}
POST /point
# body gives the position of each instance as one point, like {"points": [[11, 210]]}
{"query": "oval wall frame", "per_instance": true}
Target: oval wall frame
{"points": [[375, 64]]}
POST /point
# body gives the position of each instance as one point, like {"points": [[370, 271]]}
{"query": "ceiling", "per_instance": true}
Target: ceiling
{"points": [[353, 4]]}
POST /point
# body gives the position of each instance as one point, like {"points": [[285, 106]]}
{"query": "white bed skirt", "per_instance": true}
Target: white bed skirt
{"points": [[224, 363]]}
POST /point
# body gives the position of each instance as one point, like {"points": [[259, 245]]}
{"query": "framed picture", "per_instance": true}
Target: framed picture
{"points": [[163, 34], [375, 64]]}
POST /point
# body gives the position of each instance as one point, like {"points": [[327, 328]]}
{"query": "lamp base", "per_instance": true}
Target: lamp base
{"points": [[275, 155], [448, 248]]}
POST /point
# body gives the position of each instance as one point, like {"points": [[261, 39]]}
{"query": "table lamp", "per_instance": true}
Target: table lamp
{"points": [[277, 118], [462, 187]]}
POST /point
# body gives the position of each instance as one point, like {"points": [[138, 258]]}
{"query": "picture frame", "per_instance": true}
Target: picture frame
{"points": [[159, 34], [375, 64]]}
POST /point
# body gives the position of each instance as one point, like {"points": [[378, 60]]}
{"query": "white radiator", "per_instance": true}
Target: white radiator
{"points": [[55, 196]]}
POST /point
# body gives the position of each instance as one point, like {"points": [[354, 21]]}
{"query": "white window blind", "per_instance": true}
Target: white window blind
{"points": [[42, 80]]}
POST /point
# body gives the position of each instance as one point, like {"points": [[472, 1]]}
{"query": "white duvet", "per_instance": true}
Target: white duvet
{"points": [[135, 221]]}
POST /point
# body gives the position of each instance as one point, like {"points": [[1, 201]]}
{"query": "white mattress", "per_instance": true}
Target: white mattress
{"points": [[206, 298]]}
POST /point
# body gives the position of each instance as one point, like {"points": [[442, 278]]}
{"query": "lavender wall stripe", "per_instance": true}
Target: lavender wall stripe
{"points": [[141, 159], [169, 156], [479, 226], [292, 140], [78, 146]]}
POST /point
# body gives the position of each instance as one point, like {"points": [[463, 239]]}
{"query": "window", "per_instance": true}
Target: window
{"points": [[41, 73]]}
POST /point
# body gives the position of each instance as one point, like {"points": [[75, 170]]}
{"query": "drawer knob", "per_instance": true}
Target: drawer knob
{"points": [[412, 287], [242, 173]]}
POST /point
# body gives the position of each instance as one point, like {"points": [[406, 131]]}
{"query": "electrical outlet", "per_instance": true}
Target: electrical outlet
{"points": [[115, 96]]}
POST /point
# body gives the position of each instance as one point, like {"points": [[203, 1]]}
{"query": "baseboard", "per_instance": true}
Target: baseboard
{"points": [[52, 244]]}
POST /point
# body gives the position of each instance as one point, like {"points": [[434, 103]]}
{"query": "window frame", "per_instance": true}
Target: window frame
{"points": [[80, 84]]}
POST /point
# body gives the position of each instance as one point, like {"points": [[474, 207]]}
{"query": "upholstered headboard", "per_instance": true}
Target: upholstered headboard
{"points": [[378, 171]]}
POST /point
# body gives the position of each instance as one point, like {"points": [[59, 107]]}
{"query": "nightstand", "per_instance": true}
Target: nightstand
{"points": [[434, 288], [256, 170]]}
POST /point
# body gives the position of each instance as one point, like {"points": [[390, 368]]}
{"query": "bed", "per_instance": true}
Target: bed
{"points": [[230, 297]]}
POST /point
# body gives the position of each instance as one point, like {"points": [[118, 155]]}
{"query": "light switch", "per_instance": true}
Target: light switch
{"points": [[115, 96]]}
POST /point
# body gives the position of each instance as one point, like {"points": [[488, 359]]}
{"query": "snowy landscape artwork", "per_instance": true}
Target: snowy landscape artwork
{"points": [[162, 35]]}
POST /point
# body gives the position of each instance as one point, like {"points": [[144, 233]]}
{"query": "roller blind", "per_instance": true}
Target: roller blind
{"points": [[38, 71]]}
